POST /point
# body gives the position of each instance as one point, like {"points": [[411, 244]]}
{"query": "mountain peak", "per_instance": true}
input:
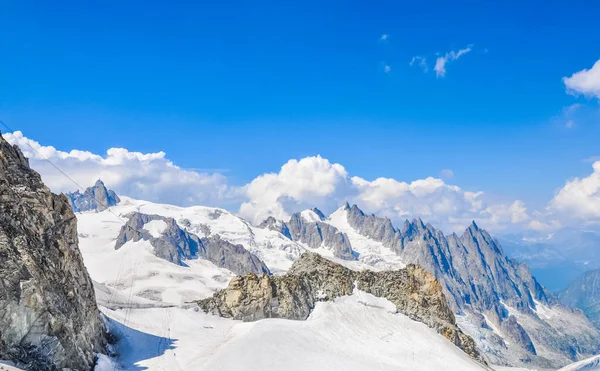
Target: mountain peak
{"points": [[319, 213], [97, 198], [474, 226]]}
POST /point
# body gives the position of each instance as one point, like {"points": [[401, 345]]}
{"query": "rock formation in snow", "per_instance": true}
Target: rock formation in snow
{"points": [[478, 277], [584, 293], [309, 228], [312, 278], [48, 314], [172, 243], [94, 198]]}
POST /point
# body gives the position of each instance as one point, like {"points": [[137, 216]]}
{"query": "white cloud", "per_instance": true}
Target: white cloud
{"points": [[309, 182], [440, 63], [299, 184], [314, 181], [384, 37], [540, 226], [586, 82], [387, 68], [580, 197], [570, 124], [447, 174], [148, 176], [422, 62]]}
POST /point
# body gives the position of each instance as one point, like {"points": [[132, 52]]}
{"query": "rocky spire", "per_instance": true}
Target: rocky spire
{"points": [[97, 198], [48, 314]]}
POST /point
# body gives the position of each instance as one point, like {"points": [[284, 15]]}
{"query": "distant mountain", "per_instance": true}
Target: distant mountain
{"points": [[96, 198], [584, 293], [556, 259], [499, 303]]}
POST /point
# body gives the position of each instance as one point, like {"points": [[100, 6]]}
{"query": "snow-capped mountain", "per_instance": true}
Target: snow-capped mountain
{"points": [[498, 301], [138, 285], [512, 318], [584, 293]]}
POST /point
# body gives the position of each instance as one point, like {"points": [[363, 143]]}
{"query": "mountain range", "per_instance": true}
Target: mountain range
{"points": [[147, 273], [496, 300]]}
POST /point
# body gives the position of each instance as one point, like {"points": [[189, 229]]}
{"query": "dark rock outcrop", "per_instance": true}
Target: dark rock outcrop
{"points": [[48, 314], [177, 245], [316, 234], [312, 278], [97, 198], [276, 225]]}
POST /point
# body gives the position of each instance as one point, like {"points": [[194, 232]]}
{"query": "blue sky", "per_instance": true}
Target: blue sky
{"points": [[242, 87]]}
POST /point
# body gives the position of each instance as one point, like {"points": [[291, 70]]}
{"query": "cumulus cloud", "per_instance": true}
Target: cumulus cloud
{"points": [[308, 182], [420, 61], [315, 181], [585, 82], [580, 197], [299, 184], [148, 176], [440, 63]]}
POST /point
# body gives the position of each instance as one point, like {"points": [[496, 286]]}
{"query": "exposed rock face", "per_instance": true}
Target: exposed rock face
{"points": [[94, 198], [176, 245], [584, 293], [317, 233], [313, 278], [173, 244], [477, 277], [276, 225], [48, 314]]}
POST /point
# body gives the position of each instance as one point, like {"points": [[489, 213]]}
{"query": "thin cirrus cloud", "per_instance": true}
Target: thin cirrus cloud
{"points": [[441, 62], [420, 61], [312, 181]]}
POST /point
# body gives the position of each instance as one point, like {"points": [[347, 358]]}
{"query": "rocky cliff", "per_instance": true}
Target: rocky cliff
{"points": [[172, 243], [48, 314], [96, 198], [312, 278]]}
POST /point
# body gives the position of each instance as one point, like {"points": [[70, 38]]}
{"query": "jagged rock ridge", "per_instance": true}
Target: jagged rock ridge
{"points": [[584, 293], [48, 314], [313, 232], [97, 198], [312, 278], [177, 245], [478, 277]]}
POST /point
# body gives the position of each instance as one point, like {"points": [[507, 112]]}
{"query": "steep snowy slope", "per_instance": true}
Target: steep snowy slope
{"points": [[354, 333], [590, 364]]}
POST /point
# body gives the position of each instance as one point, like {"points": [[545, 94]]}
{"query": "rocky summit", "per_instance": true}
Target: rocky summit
{"points": [[313, 278], [48, 314], [96, 198]]}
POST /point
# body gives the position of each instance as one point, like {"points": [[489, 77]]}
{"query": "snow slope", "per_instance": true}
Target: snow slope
{"points": [[371, 253], [354, 333], [590, 364], [144, 300]]}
